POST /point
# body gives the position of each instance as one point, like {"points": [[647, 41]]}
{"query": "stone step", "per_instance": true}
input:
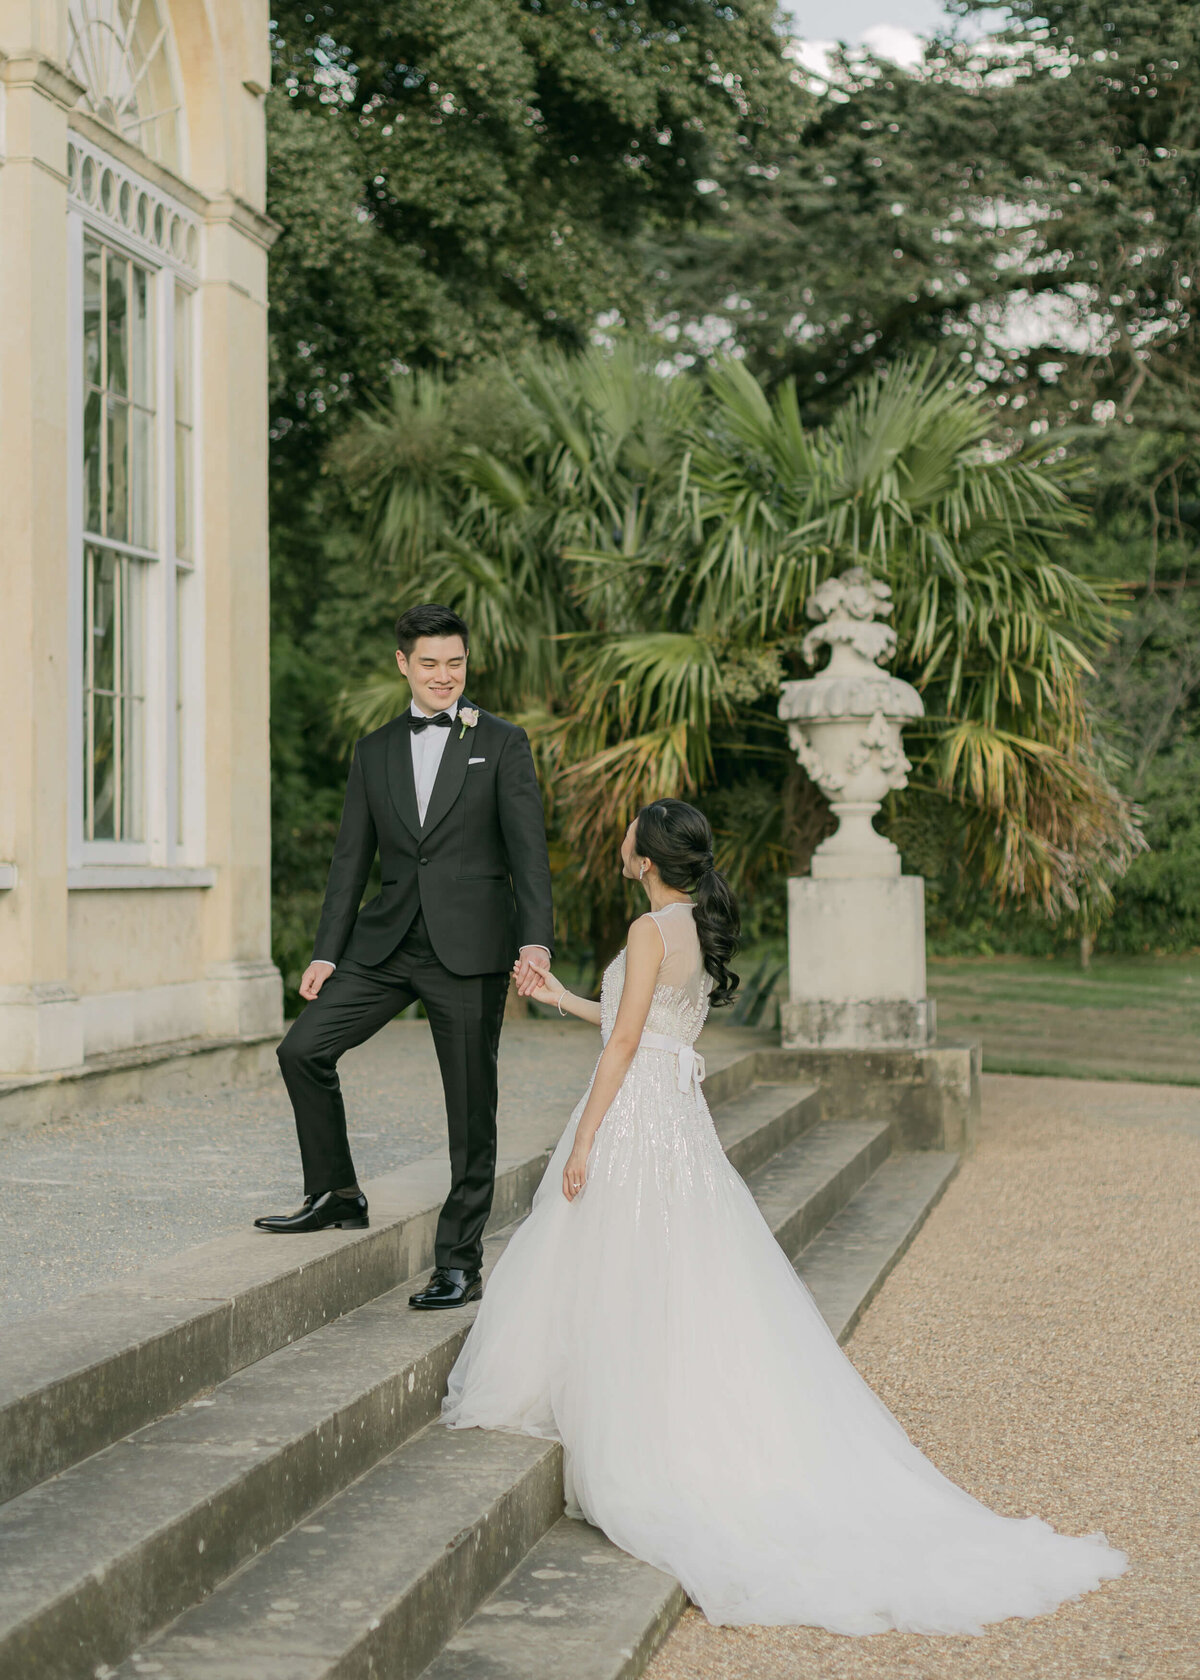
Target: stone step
{"points": [[240, 1623], [159, 1526], [576, 1608], [81, 1376], [163, 1516], [96, 1557], [761, 1121], [378, 1579], [802, 1187], [846, 1264]]}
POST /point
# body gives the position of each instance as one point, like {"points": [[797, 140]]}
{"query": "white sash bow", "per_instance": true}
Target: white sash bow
{"points": [[690, 1069]]}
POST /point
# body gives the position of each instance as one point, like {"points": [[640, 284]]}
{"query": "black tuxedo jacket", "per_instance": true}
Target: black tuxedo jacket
{"points": [[478, 866]]}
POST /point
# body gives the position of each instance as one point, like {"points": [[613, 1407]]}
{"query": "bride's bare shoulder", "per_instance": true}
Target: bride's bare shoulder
{"points": [[645, 936]]}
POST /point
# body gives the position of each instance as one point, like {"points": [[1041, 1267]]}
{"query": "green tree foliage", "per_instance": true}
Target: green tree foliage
{"points": [[460, 179], [1030, 202], [460, 183], [453, 179], [1033, 199]]}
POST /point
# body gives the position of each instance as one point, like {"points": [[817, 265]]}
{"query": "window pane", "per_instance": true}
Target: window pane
{"points": [[113, 700], [141, 338], [104, 620], [104, 768], [183, 490], [142, 470], [183, 355], [92, 262], [118, 470], [91, 462], [118, 324], [132, 572], [181, 589]]}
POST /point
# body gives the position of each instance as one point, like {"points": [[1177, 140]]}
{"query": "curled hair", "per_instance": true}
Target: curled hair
{"points": [[679, 843]]}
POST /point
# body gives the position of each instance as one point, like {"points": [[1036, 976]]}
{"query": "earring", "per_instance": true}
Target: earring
{"points": [[642, 870]]}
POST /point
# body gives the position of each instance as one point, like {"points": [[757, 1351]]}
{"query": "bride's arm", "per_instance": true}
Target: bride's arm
{"points": [[553, 992], [643, 959]]}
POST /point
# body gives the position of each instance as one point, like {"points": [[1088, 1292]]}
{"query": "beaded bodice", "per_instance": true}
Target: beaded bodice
{"points": [[680, 1002]]}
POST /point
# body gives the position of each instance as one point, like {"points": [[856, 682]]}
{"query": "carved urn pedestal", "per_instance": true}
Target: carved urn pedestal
{"points": [[856, 925]]}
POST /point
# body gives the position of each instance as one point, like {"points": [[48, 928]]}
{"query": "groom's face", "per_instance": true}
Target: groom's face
{"points": [[436, 670]]}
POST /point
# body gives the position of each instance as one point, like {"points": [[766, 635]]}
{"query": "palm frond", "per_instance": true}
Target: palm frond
{"points": [[621, 542]]}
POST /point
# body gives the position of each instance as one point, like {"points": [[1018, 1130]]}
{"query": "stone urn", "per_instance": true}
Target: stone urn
{"points": [[856, 925], [844, 724]]}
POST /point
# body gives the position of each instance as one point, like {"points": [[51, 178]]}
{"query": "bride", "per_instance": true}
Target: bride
{"points": [[645, 1316]]}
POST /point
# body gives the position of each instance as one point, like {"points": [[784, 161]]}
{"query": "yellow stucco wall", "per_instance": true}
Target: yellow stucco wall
{"points": [[183, 959], [119, 941]]}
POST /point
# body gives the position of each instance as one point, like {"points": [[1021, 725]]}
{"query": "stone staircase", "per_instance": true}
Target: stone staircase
{"points": [[241, 1475]]}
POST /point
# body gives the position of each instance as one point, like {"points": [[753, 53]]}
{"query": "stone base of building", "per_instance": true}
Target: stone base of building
{"points": [[197, 1065], [47, 1029]]}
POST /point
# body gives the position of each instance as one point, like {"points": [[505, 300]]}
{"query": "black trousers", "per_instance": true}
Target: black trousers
{"points": [[465, 1014]]}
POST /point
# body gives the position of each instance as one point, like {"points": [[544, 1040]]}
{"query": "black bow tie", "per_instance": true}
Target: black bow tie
{"points": [[440, 720]]}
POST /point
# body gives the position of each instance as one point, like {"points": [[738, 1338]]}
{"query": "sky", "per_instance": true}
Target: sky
{"points": [[848, 20], [891, 28]]}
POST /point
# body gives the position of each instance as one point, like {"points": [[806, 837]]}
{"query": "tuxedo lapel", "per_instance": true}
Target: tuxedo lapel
{"points": [[401, 786], [452, 773]]}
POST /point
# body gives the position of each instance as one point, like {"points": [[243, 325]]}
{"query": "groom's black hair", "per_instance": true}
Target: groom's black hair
{"points": [[428, 620]]}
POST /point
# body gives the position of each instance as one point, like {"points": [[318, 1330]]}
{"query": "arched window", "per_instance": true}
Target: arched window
{"points": [[123, 54], [135, 254]]}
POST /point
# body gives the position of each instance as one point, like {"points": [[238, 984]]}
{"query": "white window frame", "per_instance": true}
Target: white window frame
{"points": [[168, 243]]}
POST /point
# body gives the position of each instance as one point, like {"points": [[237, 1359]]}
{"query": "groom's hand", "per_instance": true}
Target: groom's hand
{"points": [[530, 979], [313, 978]]}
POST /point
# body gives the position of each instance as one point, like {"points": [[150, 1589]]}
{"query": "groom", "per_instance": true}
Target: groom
{"points": [[446, 795]]}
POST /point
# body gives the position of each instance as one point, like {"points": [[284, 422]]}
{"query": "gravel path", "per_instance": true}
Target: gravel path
{"points": [[1039, 1342]]}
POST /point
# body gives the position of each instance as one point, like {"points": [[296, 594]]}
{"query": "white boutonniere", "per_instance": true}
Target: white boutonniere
{"points": [[468, 716]]}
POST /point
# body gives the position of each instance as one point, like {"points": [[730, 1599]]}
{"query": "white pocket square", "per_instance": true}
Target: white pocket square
{"points": [[476, 761]]}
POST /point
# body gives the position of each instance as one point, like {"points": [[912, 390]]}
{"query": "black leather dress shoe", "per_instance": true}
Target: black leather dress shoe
{"points": [[320, 1213], [450, 1286]]}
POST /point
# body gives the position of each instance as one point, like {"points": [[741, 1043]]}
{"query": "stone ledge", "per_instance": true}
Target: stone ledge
{"points": [[930, 1096], [84, 1373], [121, 877], [134, 1075]]}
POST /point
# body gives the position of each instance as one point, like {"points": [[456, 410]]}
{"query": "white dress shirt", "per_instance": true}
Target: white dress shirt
{"points": [[427, 749]]}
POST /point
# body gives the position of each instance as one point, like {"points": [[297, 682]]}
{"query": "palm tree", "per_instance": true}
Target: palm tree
{"points": [[634, 553]]}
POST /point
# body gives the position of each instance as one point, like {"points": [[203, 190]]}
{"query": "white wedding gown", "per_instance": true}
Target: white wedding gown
{"points": [[711, 1424]]}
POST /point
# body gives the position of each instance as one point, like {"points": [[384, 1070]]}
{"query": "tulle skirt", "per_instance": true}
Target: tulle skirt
{"points": [[711, 1425]]}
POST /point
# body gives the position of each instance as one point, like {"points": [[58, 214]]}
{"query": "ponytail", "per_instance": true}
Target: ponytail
{"points": [[679, 842]]}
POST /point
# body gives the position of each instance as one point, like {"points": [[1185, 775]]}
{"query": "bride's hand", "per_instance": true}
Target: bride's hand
{"points": [[575, 1171], [550, 988]]}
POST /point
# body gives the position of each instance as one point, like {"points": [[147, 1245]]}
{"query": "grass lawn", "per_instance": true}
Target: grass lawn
{"points": [[1122, 1018]]}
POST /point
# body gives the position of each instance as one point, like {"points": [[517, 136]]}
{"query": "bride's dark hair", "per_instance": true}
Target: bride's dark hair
{"points": [[679, 843]]}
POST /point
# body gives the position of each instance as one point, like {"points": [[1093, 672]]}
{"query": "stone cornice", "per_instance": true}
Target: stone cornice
{"points": [[233, 211], [34, 69]]}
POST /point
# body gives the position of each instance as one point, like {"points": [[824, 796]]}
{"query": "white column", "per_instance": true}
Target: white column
{"points": [[40, 1027]]}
